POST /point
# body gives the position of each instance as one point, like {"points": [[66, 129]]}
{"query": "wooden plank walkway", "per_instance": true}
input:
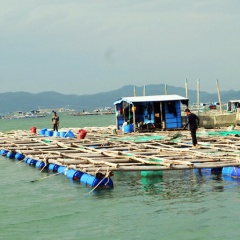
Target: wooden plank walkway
{"points": [[104, 152]]}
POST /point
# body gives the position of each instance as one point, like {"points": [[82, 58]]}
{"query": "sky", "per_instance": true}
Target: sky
{"points": [[86, 47]]}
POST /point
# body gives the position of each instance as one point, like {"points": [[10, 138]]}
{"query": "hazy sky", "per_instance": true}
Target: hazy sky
{"points": [[83, 47]]}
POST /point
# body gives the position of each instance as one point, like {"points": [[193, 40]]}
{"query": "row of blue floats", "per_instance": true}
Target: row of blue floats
{"points": [[72, 174], [50, 133]]}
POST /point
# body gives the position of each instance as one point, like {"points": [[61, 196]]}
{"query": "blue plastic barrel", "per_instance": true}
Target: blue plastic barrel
{"points": [[128, 128], [69, 134], [99, 182], [28, 161], [39, 164], [74, 174], [53, 167], [4, 152], [236, 172], [231, 171], [70, 173], [227, 171], [49, 133], [42, 131], [77, 176], [56, 134], [62, 134], [62, 170], [19, 156], [31, 162], [11, 154], [84, 178]]}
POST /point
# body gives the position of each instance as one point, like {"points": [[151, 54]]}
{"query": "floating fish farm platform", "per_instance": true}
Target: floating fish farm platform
{"points": [[92, 155]]}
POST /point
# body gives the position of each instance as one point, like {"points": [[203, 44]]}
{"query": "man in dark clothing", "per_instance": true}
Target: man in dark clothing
{"points": [[192, 122], [55, 121]]}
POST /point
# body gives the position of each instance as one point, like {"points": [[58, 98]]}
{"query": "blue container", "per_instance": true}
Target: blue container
{"points": [[236, 172], [25, 160], [227, 171], [28, 161], [62, 134], [93, 181], [56, 134], [62, 170], [4, 152], [39, 164], [11, 154], [31, 162], [99, 182], [42, 131], [128, 128], [74, 174], [70, 173], [49, 133], [53, 167], [84, 178], [69, 134], [77, 176], [19, 156]]}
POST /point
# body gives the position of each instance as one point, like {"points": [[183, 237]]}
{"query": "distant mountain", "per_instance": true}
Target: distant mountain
{"points": [[24, 101]]}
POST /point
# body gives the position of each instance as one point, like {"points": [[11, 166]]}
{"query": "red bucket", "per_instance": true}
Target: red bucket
{"points": [[33, 130], [82, 134]]}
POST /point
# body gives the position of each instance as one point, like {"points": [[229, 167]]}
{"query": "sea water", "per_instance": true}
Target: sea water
{"points": [[177, 205]]}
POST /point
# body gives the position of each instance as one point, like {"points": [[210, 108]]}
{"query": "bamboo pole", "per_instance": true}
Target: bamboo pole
{"points": [[166, 91], [219, 96], [186, 88], [198, 94]]}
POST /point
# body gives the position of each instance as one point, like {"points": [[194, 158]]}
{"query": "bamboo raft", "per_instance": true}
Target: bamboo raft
{"points": [[102, 151]]}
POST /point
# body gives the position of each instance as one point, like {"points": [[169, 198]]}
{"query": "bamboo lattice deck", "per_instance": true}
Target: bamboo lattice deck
{"points": [[102, 152]]}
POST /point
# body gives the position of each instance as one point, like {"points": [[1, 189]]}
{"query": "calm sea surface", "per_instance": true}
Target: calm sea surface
{"points": [[177, 205]]}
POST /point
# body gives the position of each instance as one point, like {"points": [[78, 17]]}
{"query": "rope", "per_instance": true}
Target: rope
{"points": [[49, 176], [97, 170], [44, 160], [106, 176], [20, 161]]}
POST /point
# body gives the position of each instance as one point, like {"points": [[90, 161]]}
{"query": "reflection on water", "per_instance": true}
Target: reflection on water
{"points": [[176, 184]]}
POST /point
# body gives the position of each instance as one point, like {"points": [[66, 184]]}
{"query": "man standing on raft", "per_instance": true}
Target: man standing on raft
{"points": [[193, 122], [55, 121]]}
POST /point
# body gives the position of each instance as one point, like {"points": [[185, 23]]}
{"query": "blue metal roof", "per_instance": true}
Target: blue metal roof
{"points": [[154, 98]]}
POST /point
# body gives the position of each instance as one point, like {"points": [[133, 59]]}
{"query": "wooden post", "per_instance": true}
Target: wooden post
{"points": [[219, 97], [134, 91], [163, 123], [144, 90], [198, 94], [186, 88], [166, 92], [116, 117], [134, 118]]}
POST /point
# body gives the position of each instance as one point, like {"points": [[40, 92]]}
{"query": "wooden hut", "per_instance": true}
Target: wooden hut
{"points": [[149, 112]]}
